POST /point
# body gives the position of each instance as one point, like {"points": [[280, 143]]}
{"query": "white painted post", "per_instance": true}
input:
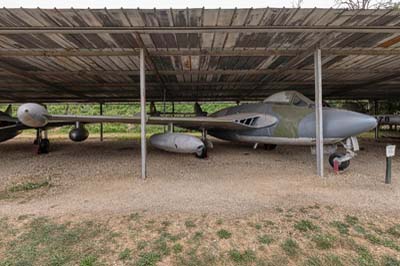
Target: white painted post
{"points": [[319, 140], [143, 117]]}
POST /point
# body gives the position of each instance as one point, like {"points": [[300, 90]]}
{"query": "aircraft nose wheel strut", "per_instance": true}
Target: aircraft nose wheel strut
{"points": [[341, 161]]}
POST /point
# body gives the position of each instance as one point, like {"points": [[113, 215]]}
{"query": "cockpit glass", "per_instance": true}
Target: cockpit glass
{"points": [[298, 102], [289, 97]]}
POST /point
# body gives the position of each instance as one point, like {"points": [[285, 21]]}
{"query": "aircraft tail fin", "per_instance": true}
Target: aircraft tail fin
{"points": [[198, 111], [8, 110]]}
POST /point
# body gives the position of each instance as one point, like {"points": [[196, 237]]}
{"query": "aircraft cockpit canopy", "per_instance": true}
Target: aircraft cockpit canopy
{"points": [[289, 98]]}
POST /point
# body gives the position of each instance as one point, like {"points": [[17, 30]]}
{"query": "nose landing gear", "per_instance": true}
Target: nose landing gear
{"points": [[341, 161]]}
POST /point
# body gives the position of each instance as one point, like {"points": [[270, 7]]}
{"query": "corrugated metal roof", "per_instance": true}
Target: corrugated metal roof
{"points": [[55, 55]]}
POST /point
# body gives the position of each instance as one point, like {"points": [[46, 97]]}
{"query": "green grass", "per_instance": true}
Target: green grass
{"points": [[341, 227], [46, 242], [125, 255], [148, 259], [224, 234], [324, 241], [86, 261], [352, 220], [394, 231], [290, 247], [305, 225], [28, 186], [265, 239], [190, 224], [177, 248], [390, 261], [365, 258], [242, 258]]}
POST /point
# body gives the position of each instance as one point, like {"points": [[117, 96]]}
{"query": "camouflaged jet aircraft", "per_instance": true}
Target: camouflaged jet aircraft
{"points": [[285, 118]]}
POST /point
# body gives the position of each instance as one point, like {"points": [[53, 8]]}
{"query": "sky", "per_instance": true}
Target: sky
{"points": [[161, 3]]}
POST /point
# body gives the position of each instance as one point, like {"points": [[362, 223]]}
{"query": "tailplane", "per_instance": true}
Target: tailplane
{"points": [[9, 110], [198, 111]]}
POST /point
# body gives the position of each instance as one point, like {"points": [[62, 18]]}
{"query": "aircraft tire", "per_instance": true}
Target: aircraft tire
{"points": [[203, 153], [44, 146], [342, 165], [270, 147]]}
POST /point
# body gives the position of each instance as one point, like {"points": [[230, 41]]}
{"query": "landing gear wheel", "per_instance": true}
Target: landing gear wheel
{"points": [[203, 153], [44, 146], [269, 147], [342, 165]]}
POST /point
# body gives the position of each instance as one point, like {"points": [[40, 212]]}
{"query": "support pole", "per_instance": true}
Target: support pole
{"points": [[319, 140], [377, 126], [143, 117], [101, 124]]}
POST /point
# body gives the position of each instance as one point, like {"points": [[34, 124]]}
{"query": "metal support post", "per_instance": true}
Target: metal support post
{"points": [[101, 124], [143, 117], [378, 125], [319, 140]]}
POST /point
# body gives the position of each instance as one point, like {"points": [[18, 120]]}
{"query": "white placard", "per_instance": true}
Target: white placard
{"points": [[390, 150]]}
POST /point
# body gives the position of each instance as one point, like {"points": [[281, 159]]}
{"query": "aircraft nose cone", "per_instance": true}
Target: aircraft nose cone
{"points": [[338, 124], [342, 123]]}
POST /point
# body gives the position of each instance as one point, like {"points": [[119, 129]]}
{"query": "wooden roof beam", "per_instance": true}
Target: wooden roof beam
{"points": [[194, 52], [202, 29]]}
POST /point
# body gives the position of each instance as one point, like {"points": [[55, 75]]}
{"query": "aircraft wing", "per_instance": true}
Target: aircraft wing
{"points": [[235, 122]]}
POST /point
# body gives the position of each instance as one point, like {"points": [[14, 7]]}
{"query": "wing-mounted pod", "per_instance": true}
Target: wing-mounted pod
{"points": [[33, 115], [79, 133]]}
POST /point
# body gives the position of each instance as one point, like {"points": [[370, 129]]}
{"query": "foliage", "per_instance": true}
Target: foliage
{"points": [[305, 225], [224, 234], [290, 247]]}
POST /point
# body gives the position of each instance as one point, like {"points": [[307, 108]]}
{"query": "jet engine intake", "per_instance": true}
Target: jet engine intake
{"points": [[32, 115], [79, 133]]}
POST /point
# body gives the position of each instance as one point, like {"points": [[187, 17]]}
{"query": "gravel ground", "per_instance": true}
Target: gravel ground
{"points": [[95, 178]]}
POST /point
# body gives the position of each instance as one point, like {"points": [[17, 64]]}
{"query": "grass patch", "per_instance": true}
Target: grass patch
{"points": [[352, 220], [142, 244], [148, 259], [324, 241], [305, 225], [198, 235], [313, 261], [89, 260], [43, 242], [28, 186], [327, 260], [265, 239], [359, 229], [394, 230], [177, 248], [245, 257], [390, 261], [190, 224], [341, 227], [125, 255], [381, 241], [224, 234], [290, 247], [365, 258]]}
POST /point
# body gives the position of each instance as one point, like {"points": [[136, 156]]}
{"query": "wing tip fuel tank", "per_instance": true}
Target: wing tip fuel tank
{"points": [[177, 142]]}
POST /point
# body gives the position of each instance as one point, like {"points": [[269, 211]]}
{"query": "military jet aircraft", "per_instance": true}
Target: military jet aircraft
{"points": [[10, 127], [284, 118]]}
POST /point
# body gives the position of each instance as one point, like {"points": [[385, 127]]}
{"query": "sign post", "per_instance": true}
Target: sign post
{"points": [[390, 152]]}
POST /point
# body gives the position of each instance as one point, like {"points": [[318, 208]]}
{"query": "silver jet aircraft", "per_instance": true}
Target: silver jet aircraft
{"points": [[285, 118]]}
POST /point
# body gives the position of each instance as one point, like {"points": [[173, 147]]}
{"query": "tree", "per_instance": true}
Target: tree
{"points": [[297, 3], [366, 4]]}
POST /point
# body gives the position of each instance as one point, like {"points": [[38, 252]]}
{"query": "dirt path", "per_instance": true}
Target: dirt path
{"points": [[102, 178]]}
